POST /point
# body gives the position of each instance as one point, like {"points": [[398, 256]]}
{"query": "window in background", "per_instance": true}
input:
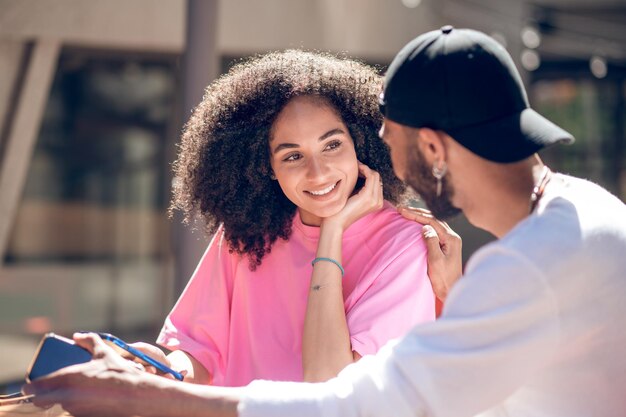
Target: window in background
{"points": [[90, 245], [594, 111], [579, 82]]}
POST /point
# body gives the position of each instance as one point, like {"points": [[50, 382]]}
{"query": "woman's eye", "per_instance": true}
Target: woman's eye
{"points": [[292, 157], [333, 145]]}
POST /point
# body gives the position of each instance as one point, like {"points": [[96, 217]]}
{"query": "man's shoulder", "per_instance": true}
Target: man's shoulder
{"points": [[574, 227], [581, 206], [579, 191]]}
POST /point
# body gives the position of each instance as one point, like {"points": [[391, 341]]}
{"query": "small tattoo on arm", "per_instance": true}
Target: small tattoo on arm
{"points": [[317, 287]]}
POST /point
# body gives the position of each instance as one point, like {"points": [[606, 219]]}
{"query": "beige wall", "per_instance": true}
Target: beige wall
{"points": [[373, 29], [120, 24], [377, 29]]}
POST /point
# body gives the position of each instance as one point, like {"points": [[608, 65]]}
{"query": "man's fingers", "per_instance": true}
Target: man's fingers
{"points": [[432, 241], [424, 217], [416, 214], [435, 256], [92, 342], [85, 340], [430, 234]]}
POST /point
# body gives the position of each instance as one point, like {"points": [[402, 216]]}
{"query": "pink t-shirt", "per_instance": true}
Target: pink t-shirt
{"points": [[244, 325]]}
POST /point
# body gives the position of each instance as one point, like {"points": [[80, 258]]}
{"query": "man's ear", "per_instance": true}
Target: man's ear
{"points": [[431, 144]]}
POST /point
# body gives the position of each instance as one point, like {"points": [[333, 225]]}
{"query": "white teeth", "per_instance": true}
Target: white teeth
{"points": [[325, 190]]}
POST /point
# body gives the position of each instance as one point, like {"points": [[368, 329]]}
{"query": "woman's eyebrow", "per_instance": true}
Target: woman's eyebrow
{"points": [[285, 146], [331, 133], [325, 136]]}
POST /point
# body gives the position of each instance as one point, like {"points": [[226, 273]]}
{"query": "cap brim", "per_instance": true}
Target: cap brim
{"points": [[511, 138]]}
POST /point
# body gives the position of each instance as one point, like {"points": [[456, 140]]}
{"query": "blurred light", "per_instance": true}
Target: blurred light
{"points": [[531, 37], [500, 38], [530, 59], [37, 325], [411, 4], [598, 67]]}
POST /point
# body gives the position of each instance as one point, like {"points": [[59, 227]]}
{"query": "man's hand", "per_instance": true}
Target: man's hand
{"points": [[156, 354], [444, 250], [103, 386], [112, 386]]}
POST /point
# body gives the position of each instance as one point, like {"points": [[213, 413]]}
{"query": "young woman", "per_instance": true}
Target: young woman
{"points": [[309, 268]]}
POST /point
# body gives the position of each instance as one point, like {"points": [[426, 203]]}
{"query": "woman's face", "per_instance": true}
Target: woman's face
{"points": [[313, 158]]}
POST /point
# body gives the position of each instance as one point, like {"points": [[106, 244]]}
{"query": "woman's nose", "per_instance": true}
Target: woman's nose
{"points": [[315, 168]]}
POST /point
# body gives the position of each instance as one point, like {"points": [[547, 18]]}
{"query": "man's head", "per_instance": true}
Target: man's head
{"points": [[460, 84]]}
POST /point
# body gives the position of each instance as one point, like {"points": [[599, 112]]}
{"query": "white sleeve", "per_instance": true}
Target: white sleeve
{"points": [[369, 388], [500, 325]]}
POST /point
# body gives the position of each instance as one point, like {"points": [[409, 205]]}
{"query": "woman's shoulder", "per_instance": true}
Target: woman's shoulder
{"points": [[388, 227], [388, 219], [219, 251]]}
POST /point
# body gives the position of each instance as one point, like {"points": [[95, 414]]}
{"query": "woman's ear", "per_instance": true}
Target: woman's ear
{"points": [[431, 144]]}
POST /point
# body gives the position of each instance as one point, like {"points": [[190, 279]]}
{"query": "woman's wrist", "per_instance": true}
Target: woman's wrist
{"points": [[332, 226]]}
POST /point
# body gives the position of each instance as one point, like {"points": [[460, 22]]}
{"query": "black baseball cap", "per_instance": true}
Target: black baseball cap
{"points": [[465, 83]]}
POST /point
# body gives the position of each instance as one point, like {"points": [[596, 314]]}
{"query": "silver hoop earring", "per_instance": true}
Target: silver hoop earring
{"points": [[439, 172], [272, 176]]}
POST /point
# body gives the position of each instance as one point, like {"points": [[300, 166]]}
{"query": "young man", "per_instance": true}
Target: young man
{"points": [[534, 327]]}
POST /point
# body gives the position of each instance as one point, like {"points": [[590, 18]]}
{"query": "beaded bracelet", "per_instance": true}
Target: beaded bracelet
{"points": [[328, 260]]}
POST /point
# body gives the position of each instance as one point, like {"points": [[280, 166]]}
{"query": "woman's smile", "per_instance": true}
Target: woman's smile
{"points": [[325, 192]]}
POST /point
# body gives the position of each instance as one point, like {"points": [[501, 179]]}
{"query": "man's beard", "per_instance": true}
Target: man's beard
{"points": [[420, 177]]}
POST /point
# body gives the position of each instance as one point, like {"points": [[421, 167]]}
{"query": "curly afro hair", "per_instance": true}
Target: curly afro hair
{"points": [[223, 166]]}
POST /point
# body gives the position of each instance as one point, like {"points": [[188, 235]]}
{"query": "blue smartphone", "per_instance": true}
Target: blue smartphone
{"points": [[118, 343], [55, 352]]}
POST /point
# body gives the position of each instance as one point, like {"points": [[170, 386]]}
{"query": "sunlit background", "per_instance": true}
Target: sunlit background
{"points": [[93, 96]]}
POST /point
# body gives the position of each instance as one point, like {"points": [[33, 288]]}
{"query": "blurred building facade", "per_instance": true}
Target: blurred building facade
{"points": [[93, 96]]}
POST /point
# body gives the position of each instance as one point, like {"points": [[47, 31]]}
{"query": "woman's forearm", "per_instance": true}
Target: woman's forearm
{"points": [[326, 347]]}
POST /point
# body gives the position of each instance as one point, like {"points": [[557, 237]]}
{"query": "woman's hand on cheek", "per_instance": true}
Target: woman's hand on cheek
{"points": [[367, 200]]}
